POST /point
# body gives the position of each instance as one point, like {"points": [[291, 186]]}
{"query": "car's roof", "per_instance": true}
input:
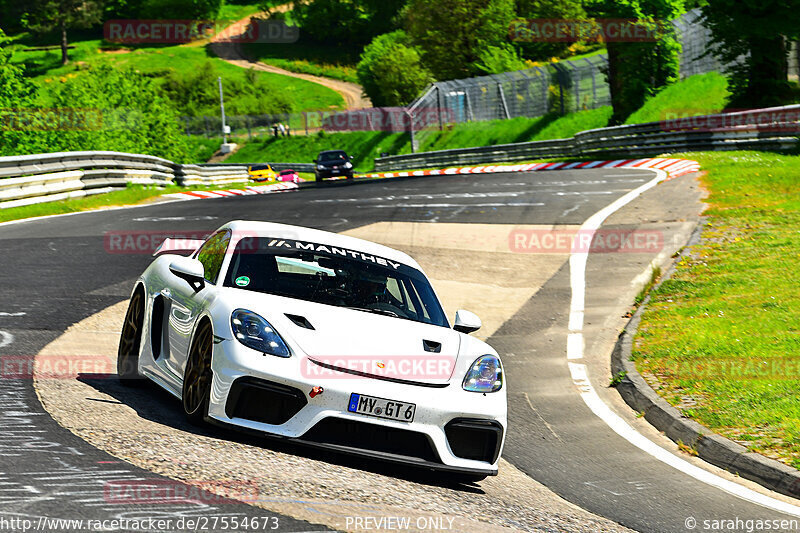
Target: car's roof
{"points": [[331, 151], [289, 232]]}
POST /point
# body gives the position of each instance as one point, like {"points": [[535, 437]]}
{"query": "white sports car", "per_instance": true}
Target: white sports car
{"points": [[322, 338]]}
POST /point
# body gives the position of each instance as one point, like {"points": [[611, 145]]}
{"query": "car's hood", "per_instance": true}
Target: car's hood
{"points": [[363, 341]]}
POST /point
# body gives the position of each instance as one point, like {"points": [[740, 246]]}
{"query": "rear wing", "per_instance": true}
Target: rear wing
{"points": [[171, 246]]}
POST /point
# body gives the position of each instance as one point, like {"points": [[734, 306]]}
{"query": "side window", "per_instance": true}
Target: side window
{"points": [[212, 254]]}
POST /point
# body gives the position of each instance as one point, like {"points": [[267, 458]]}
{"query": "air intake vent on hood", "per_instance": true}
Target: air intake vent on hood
{"points": [[300, 321], [432, 346]]}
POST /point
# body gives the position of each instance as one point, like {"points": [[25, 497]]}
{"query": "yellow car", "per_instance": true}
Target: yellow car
{"points": [[261, 172]]}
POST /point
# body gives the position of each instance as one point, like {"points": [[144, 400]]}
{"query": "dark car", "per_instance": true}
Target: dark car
{"points": [[333, 164]]}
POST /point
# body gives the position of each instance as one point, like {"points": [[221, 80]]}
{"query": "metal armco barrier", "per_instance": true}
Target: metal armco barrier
{"points": [[761, 129], [32, 179]]}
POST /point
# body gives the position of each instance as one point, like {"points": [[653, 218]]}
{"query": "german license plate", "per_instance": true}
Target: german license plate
{"points": [[381, 407]]}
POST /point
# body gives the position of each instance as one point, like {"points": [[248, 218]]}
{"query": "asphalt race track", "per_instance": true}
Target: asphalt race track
{"points": [[55, 272]]}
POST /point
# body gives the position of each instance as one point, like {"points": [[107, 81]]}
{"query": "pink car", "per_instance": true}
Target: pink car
{"points": [[289, 175]]}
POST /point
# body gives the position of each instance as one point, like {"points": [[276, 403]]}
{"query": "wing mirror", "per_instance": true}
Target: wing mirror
{"points": [[467, 322], [189, 269]]}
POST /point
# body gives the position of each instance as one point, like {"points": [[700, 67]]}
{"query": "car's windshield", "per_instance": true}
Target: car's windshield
{"points": [[333, 276], [333, 156], [286, 172], [259, 167]]}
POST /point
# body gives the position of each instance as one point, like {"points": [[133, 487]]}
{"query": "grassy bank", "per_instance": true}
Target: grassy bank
{"points": [[701, 94], [44, 68], [364, 147], [307, 57], [721, 339]]}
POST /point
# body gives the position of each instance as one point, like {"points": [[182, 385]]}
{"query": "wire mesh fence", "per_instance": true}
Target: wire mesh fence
{"points": [[562, 87]]}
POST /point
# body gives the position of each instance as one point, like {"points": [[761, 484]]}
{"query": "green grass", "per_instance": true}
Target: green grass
{"points": [[721, 338], [203, 148], [366, 146], [128, 196], [230, 13], [363, 147], [131, 195], [701, 94], [522, 129], [44, 68], [307, 57]]}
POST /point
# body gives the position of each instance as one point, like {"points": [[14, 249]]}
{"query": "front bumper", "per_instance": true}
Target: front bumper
{"points": [[331, 173], [453, 430]]}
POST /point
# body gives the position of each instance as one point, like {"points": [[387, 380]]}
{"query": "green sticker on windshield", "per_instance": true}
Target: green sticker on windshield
{"points": [[242, 281]]}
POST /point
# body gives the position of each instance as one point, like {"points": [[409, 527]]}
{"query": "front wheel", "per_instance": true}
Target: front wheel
{"points": [[130, 341], [197, 376]]}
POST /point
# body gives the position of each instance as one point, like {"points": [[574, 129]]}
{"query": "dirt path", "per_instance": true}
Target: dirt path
{"points": [[233, 54]]}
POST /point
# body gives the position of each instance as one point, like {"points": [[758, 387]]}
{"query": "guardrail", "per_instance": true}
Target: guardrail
{"points": [[761, 129], [31, 179]]}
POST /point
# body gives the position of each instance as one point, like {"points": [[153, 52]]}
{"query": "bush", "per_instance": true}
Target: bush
{"points": [[116, 109], [498, 59], [391, 71], [196, 93]]}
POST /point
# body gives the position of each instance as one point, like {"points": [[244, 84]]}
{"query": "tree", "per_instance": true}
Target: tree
{"points": [[61, 15], [757, 30], [497, 59], [15, 93], [391, 70], [452, 34], [346, 21], [567, 10], [639, 69], [178, 9]]}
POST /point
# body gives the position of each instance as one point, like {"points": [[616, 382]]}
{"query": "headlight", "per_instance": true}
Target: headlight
{"points": [[255, 332], [485, 375], [320, 167], [348, 165]]}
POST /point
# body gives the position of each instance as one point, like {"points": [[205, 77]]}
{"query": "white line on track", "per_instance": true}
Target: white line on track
{"points": [[6, 338], [580, 377], [494, 204], [20, 313]]}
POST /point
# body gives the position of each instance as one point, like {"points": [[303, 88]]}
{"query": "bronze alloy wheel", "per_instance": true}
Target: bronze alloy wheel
{"points": [[197, 376], [130, 341]]}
